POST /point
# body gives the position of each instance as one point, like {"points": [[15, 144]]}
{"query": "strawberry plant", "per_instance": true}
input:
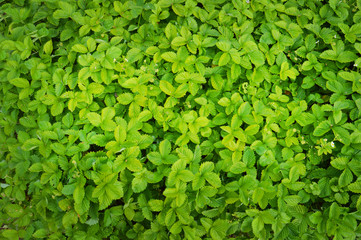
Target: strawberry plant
{"points": [[180, 119]]}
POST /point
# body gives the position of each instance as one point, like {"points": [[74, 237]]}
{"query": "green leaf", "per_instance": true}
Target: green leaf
{"points": [[307, 66], [169, 56], [58, 148], [134, 165], [106, 192], [95, 88], [125, 98], [181, 90], [346, 57], [170, 217], [356, 137], [144, 116], [176, 228], [10, 234], [257, 58], [79, 191], [152, 50], [28, 122], [98, 139], [334, 211], [166, 87], [31, 144], [133, 54], [185, 175], [292, 200], [91, 44], [219, 229], [80, 48], [252, 130], [94, 119], [48, 47], [249, 157], [165, 148], [213, 179], [329, 55], [224, 102], [68, 120], [179, 41], [355, 167], [20, 82], [156, 205], [201, 121], [36, 167], [201, 101], [114, 53], [57, 109], [66, 34], [267, 158], [139, 184], [224, 59], [155, 158], [206, 167], [238, 168], [235, 55], [305, 119], [108, 125], [224, 46], [70, 218], [198, 182], [40, 233], [322, 128], [257, 224], [355, 187], [345, 178], [14, 210], [108, 113], [339, 163]]}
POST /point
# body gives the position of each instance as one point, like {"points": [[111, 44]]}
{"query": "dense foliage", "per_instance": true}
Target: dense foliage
{"points": [[180, 119]]}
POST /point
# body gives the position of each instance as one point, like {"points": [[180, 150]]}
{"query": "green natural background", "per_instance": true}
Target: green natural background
{"points": [[180, 119]]}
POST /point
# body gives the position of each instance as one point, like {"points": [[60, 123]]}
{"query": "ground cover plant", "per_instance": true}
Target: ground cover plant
{"points": [[180, 119]]}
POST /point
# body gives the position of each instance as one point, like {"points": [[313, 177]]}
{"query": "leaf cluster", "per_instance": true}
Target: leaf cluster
{"points": [[180, 119]]}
